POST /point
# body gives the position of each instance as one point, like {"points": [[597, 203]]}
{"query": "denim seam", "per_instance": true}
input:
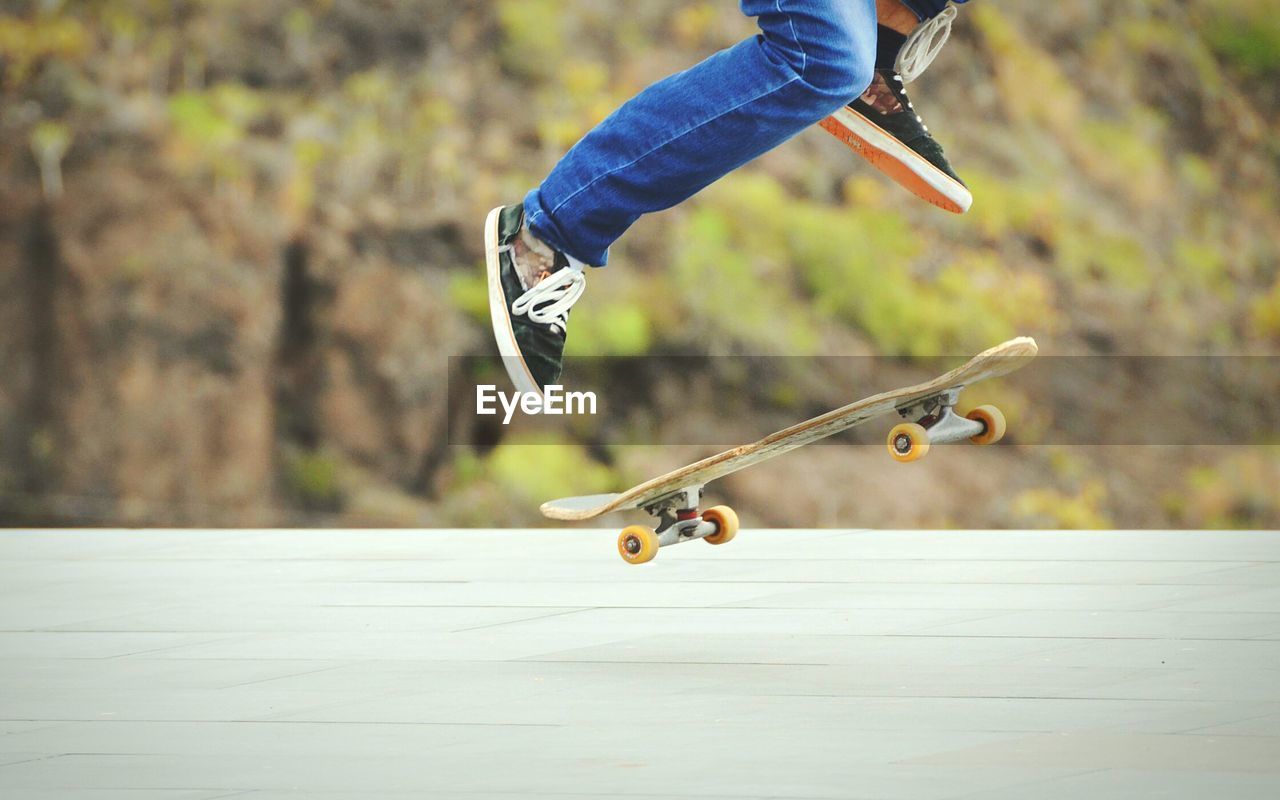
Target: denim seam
{"points": [[795, 35]]}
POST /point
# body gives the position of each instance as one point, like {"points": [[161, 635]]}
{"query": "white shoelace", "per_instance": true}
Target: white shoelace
{"points": [[549, 302], [911, 106], [924, 44]]}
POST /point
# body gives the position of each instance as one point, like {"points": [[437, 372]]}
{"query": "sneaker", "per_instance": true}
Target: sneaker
{"points": [[883, 127], [531, 290]]}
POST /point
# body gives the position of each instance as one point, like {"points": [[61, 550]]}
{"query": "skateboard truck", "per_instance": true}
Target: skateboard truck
{"points": [[936, 422], [678, 521]]}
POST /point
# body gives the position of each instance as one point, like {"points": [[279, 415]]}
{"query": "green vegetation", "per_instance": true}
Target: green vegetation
{"points": [[314, 477], [610, 328], [862, 267], [297, 187], [28, 42], [533, 37], [1053, 508], [1246, 34], [1237, 492], [540, 470]]}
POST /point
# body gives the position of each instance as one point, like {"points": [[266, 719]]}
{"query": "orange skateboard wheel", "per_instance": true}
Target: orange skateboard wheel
{"points": [[908, 442], [726, 519], [637, 545], [993, 420]]}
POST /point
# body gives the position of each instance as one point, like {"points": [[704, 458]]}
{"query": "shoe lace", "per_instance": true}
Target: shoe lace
{"points": [[924, 44], [910, 107], [549, 301]]}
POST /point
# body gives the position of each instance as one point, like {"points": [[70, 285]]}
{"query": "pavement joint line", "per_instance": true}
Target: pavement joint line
{"points": [[31, 760], [848, 667], [329, 668], [522, 621], [1031, 784], [1046, 697], [1192, 731], [150, 789], [279, 721], [538, 660], [868, 559], [1268, 637], [725, 607], [170, 647], [804, 582], [853, 610]]}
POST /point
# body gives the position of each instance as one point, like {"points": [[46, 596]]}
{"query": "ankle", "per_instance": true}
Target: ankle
{"points": [[536, 246], [889, 44], [893, 14]]}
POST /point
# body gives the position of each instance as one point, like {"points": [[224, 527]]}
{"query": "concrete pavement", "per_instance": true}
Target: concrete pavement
{"points": [[788, 664]]}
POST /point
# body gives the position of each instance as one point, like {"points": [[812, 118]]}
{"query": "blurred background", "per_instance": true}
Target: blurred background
{"points": [[240, 241]]}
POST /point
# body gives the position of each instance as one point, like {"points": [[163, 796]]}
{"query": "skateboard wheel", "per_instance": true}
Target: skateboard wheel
{"points": [[908, 442], [726, 520], [638, 545], [992, 419]]}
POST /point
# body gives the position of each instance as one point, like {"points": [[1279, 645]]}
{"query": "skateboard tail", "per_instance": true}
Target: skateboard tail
{"points": [[576, 509]]}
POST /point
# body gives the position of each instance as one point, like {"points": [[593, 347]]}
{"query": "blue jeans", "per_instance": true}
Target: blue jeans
{"points": [[684, 133]]}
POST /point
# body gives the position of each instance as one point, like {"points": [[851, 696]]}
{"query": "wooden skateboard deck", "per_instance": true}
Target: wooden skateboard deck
{"points": [[993, 363], [673, 496]]}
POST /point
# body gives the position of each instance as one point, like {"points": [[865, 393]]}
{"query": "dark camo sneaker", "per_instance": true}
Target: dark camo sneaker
{"points": [[531, 290], [884, 128]]}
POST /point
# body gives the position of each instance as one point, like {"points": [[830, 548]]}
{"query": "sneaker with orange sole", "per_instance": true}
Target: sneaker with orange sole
{"points": [[883, 126]]}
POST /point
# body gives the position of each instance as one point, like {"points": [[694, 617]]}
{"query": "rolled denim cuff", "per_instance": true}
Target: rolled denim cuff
{"points": [[928, 9]]}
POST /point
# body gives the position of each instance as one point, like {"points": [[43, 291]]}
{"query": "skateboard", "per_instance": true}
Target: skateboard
{"points": [[931, 418]]}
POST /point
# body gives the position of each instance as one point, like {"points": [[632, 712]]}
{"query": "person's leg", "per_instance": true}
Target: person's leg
{"points": [[684, 133], [666, 144]]}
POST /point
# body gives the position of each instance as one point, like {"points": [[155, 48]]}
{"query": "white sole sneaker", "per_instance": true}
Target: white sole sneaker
{"points": [[904, 165], [500, 312]]}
